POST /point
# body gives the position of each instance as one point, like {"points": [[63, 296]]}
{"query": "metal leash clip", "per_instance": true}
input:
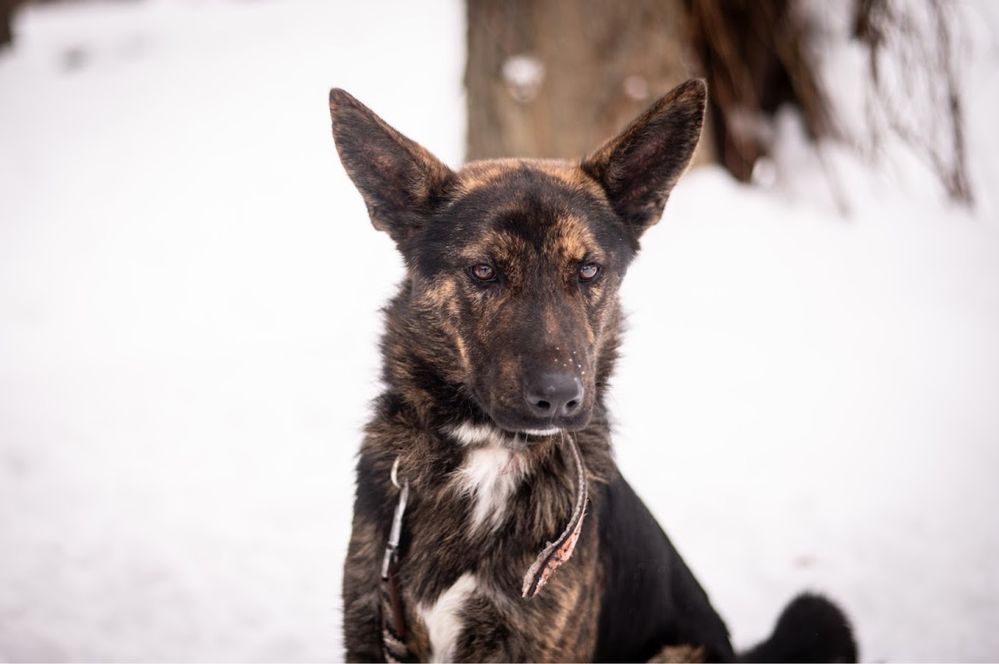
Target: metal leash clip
{"points": [[392, 549], [393, 617]]}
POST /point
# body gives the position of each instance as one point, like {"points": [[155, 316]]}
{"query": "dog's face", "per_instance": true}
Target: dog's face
{"points": [[524, 265], [514, 265]]}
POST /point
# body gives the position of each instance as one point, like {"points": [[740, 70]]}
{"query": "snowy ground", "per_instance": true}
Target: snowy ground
{"points": [[188, 312]]}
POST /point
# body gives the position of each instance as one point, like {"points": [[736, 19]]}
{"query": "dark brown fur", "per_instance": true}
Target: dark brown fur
{"points": [[459, 351]]}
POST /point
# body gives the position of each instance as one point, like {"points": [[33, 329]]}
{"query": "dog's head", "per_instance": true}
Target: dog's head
{"points": [[516, 264]]}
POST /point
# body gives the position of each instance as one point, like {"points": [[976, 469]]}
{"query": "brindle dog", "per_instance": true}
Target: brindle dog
{"points": [[497, 354]]}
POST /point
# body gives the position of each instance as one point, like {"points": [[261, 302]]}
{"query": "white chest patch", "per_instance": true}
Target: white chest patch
{"points": [[490, 475], [443, 619]]}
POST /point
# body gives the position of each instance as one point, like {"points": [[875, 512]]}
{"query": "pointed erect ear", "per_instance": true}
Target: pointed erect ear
{"points": [[639, 167], [400, 181]]}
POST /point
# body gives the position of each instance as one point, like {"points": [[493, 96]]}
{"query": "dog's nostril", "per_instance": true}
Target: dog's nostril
{"points": [[553, 394]]}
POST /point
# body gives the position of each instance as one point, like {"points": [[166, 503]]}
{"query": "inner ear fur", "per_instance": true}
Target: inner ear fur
{"points": [[638, 168], [401, 181]]}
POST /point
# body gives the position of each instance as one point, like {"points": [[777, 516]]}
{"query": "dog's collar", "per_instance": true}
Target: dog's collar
{"points": [[554, 554], [561, 549]]}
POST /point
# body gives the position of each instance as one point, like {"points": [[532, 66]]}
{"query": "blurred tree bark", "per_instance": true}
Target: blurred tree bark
{"points": [[555, 78], [6, 19], [753, 55]]}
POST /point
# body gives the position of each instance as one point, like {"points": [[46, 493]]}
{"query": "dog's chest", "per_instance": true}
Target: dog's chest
{"points": [[483, 485], [444, 620], [489, 477]]}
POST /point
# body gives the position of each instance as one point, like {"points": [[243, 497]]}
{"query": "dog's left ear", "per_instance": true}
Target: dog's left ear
{"points": [[400, 181], [638, 168]]}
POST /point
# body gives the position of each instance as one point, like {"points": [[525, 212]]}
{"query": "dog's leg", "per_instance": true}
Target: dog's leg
{"points": [[559, 625], [361, 625]]}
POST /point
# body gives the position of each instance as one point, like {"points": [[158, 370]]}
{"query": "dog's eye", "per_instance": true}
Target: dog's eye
{"points": [[588, 271], [483, 272]]}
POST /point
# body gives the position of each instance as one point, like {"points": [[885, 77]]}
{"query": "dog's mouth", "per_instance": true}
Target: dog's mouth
{"points": [[472, 434], [550, 431], [525, 438], [517, 424]]}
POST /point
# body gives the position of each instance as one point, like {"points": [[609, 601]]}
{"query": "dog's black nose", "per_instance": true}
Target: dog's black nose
{"points": [[553, 394]]}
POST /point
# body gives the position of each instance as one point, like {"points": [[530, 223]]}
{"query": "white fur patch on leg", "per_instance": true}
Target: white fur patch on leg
{"points": [[443, 619]]}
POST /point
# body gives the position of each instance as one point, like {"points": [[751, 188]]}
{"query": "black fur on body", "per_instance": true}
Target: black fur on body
{"points": [[498, 347]]}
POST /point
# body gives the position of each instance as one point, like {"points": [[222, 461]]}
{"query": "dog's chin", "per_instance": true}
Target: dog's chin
{"points": [[532, 429]]}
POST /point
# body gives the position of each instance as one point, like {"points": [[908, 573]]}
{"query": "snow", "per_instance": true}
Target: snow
{"points": [[189, 294]]}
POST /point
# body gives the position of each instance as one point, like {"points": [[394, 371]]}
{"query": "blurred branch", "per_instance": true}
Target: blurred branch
{"points": [[902, 46]]}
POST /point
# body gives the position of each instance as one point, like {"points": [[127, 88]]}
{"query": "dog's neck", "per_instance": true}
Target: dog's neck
{"points": [[434, 426]]}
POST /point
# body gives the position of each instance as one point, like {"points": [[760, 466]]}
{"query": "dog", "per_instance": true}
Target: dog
{"points": [[491, 442]]}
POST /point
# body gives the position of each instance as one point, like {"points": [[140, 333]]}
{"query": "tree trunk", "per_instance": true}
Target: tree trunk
{"points": [[753, 53], [555, 78], [6, 19]]}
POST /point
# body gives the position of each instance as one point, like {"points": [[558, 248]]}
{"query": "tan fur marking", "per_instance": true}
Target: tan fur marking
{"points": [[506, 248], [481, 173], [679, 654], [459, 343], [442, 294], [550, 324], [567, 602], [573, 241]]}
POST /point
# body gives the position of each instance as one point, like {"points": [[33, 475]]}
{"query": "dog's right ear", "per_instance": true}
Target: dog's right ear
{"points": [[638, 167], [401, 182]]}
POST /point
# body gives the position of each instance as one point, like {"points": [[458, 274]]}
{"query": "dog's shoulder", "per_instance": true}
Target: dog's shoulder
{"points": [[650, 599]]}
